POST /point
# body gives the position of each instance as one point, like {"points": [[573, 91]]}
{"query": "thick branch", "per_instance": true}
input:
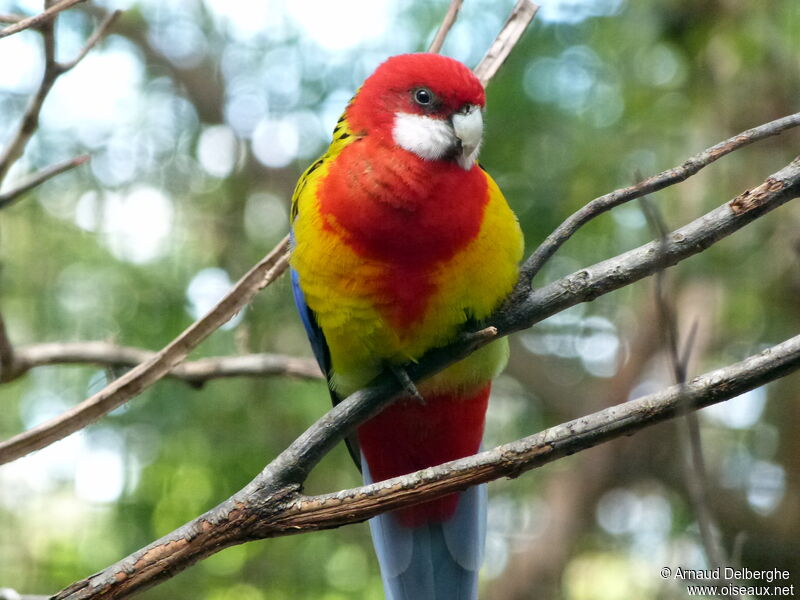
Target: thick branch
{"points": [[510, 460], [261, 511], [195, 372], [145, 374]]}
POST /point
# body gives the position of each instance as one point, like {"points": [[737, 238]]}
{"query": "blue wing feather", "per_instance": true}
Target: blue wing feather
{"points": [[320, 348], [318, 344]]}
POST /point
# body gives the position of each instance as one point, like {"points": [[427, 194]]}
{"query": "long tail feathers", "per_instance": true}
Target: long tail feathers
{"points": [[436, 561]]}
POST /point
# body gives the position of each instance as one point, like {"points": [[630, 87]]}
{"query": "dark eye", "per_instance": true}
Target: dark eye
{"points": [[423, 96]]}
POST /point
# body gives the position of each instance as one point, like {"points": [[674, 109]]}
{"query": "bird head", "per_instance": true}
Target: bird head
{"points": [[427, 104]]}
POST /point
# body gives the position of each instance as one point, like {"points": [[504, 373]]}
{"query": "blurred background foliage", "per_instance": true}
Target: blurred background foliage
{"points": [[199, 117]]}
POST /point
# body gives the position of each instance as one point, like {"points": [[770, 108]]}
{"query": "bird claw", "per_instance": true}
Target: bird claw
{"points": [[405, 381]]}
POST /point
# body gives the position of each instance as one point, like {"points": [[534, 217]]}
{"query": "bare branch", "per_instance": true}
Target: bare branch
{"points": [[146, 374], [691, 239], [688, 425], [509, 35], [296, 462], [279, 481], [30, 120], [447, 23], [37, 20], [131, 384], [195, 372], [652, 184], [268, 508], [36, 179], [93, 40], [510, 460], [10, 18], [52, 71]]}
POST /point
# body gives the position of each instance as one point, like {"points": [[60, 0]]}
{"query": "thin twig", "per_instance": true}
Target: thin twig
{"points": [[10, 18], [264, 508], [99, 34], [30, 120], [688, 427], [52, 71], [8, 198], [38, 20], [144, 375], [444, 28], [509, 35], [197, 371], [664, 179]]}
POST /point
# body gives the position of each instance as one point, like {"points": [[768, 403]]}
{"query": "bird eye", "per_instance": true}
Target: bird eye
{"points": [[423, 97]]}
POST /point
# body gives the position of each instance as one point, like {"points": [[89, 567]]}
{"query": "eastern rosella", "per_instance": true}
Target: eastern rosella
{"points": [[400, 238]]}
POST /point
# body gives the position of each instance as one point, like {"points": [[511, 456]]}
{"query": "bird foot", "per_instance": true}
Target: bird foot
{"points": [[410, 388]]}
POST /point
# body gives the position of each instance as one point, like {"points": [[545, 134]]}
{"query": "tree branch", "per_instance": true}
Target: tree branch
{"points": [[10, 18], [37, 20], [294, 464], [261, 510], [131, 384], [652, 184], [688, 425], [194, 372], [36, 179], [234, 522], [93, 40], [52, 71], [145, 374], [521, 15], [30, 120], [447, 23]]}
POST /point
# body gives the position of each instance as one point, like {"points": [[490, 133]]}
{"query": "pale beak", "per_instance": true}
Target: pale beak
{"points": [[468, 127]]}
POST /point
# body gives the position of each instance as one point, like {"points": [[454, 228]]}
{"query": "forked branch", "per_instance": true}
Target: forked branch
{"points": [[263, 509], [146, 374]]}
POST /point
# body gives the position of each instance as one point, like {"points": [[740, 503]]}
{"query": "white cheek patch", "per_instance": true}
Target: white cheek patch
{"points": [[428, 138]]}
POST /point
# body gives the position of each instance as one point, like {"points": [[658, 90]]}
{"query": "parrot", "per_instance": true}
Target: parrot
{"points": [[400, 240]]}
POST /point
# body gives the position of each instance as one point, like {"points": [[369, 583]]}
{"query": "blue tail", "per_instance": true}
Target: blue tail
{"points": [[436, 561]]}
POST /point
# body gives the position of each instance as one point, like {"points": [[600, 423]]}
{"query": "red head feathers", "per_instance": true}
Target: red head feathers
{"points": [[427, 104]]}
